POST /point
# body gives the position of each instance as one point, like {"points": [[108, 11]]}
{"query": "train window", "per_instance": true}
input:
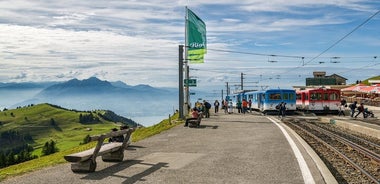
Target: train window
{"points": [[275, 96], [325, 96], [298, 97], [306, 96], [334, 96], [285, 96], [315, 96], [291, 96]]}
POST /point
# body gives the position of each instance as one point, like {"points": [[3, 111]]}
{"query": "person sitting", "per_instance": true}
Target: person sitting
{"points": [[119, 138], [194, 116]]}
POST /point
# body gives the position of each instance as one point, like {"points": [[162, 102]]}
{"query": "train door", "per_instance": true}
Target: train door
{"points": [[259, 103], [325, 100]]}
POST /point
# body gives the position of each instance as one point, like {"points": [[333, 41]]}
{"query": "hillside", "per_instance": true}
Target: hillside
{"points": [[372, 78], [45, 122], [92, 93]]}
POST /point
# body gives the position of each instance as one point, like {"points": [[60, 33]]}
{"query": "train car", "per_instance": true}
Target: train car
{"points": [[319, 100], [267, 100]]}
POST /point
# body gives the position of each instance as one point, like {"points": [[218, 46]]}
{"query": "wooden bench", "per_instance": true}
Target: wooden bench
{"points": [[85, 161], [195, 122]]}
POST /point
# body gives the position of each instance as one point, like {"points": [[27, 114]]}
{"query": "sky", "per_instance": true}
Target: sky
{"points": [[271, 44]]}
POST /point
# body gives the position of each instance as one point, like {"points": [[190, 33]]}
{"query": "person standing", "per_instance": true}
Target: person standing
{"points": [[216, 106], [225, 104], [207, 107], [230, 107], [283, 109], [250, 105], [238, 106], [353, 107], [245, 106]]}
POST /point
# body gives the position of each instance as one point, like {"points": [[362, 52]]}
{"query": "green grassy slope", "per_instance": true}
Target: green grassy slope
{"points": [[372, 78], [57, 158], [66, 130]]}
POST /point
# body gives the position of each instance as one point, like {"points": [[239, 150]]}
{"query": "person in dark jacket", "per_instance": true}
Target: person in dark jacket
{"points": [[353, 107], [361, 110]]}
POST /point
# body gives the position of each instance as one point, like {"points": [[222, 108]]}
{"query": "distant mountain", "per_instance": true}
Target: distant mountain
{"points": [[92, 93], [25, 85], [120, 84]]}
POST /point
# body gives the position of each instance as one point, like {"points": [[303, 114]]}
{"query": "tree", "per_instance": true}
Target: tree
{"points": [[49, 148], [45, 149]]}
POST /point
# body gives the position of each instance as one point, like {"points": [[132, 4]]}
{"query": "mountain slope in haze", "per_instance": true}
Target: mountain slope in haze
{"points": [[92, 93]]}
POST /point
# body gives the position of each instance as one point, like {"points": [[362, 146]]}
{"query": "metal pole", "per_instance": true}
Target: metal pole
{"points": [[187, 91], [186, 95], [180, 82], [241, 81]]}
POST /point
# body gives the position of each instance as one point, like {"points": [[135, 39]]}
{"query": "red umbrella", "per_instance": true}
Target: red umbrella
{"points": [[357, 87]]}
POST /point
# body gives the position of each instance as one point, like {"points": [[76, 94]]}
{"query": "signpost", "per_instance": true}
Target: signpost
{"points": [[190, 82]]}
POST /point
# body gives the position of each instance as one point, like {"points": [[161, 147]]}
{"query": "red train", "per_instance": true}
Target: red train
{"points": [[320, 100]]}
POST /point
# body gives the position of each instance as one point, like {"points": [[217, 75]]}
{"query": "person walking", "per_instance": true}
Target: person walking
{"points": [[278, 107], [361, 110], [216, 106], [353, 107], [341, 109]]}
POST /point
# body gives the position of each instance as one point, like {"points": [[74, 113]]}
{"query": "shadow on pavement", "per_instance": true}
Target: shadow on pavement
{"points": [[112, 170]]}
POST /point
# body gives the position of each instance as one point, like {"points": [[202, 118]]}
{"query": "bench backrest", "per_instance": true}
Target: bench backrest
{"points": [[102, 137]]}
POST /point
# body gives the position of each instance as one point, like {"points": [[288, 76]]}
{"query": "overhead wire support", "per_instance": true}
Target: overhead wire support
{"points": [[252, 53]]}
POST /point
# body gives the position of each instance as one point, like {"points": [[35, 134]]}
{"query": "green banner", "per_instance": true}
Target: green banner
{"points": [[196, 38]]}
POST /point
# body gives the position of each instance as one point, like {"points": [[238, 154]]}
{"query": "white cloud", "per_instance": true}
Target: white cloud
{"points": [[137, 41]]}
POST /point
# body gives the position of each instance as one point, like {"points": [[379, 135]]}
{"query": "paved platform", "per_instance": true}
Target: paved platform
{"points": [[227, 148]]}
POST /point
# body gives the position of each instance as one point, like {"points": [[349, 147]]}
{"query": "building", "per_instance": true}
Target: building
{"points": [[321, 79]]}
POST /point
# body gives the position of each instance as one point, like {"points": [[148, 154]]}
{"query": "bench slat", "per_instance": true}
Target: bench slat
{"points": [[85, 155]]}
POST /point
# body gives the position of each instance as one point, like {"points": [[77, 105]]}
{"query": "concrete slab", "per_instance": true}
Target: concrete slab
{"points": [[172, 160]]}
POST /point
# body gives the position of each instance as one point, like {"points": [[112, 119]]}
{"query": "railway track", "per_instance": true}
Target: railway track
{"points": [[350, 158]]}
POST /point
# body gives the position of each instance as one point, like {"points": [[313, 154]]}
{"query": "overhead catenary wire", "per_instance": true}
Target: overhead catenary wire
{"points": [[345, 36]]}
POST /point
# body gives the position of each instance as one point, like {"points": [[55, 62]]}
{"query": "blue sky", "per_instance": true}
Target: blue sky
{"points": [[137, 41]]}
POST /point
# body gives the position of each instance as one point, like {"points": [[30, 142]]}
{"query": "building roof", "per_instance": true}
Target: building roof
{"points": [[336, 75]]}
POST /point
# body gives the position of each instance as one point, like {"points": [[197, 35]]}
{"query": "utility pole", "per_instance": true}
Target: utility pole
{"points": [[180, 82], [241, 81], [227, 89]]}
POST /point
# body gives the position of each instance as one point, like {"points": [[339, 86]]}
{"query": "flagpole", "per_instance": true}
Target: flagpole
{"points": [[186, 67]]}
